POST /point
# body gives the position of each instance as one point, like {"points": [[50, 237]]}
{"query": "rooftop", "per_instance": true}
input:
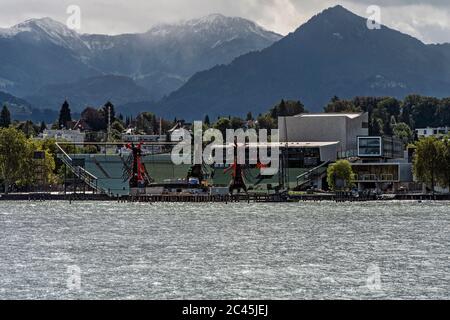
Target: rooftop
{"points": [[290, 144], [347, 115]]}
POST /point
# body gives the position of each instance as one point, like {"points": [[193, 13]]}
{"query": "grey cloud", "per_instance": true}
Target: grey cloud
{"points": [[283, 16], [390, 3]]}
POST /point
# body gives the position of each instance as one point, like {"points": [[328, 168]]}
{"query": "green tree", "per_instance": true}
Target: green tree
{"points": [[367, 104], [28, 176], [207, 122], [282, 109], [391, 105], [13, 148], [420, 112], [443, 112], [117, 129], [146, 122], [64, 115], [341, 106], [42, 127], [341, 171], [403, 132], [5, 118], [266, 122], [108, 107], [118, 126], [237, 123], [155, 125], [28, 128], [94, 119], [222, 125], [380, 121], [445, 170], [428, 160], [376, 127], [383, 113], [249, 116], [383, 116], [49, 144], [286, 109]]}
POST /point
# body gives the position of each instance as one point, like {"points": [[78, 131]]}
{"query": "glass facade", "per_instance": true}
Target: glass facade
{"points": [[304, 157], [376, 173], [392, 148], [369, 147], [386, 147]]}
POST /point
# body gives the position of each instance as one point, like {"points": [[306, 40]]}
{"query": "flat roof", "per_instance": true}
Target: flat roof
{"points": [[308, 144], [291, 144], [328, 115]]}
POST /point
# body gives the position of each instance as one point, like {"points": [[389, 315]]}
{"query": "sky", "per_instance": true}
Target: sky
{"points": [[427, 20]]}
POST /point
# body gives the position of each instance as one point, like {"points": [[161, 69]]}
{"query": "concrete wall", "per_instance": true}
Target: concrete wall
{"points": [[322, 128], [329, 153], [355, 129], [406, 172]]}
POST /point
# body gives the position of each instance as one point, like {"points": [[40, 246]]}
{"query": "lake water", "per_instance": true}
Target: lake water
{"points": [[101, 250]]}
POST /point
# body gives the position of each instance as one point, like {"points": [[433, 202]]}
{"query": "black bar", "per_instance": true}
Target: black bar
{"points": [[232, 309]]}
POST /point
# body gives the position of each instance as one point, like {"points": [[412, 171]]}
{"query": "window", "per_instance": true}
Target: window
{"points": [[365, 125], [304, 157], [369, 146]]}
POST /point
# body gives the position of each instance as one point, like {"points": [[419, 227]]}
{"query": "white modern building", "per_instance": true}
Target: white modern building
{"points": [[432, 132], [136, 138], [75, 136], [378, 161], [326, 127]]}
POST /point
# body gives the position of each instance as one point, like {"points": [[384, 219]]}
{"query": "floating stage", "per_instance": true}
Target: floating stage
{"points": [[136, 176]]}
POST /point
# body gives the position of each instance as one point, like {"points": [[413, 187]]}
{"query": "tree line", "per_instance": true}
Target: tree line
{"points": [[268, 120], [390, 116], [387, 116], [431, 162]]}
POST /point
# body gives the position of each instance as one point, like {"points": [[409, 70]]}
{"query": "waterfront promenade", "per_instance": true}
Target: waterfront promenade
{"points": [[200, 198]]}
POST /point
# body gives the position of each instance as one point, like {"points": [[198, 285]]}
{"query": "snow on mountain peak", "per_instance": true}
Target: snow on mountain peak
{"points": [[42, 24], [214, 24], [211, 18], [46, 29]]}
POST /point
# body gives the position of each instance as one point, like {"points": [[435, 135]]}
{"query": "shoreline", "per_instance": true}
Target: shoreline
{"points": [[250, 198]]}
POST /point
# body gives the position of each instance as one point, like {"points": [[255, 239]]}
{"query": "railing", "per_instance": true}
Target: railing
{"points": [[347, 154], [375, 178], [81, 173], [306, 175]]}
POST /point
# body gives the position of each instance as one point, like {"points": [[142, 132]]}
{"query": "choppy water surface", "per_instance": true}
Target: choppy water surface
{"points": [[216, 251]]}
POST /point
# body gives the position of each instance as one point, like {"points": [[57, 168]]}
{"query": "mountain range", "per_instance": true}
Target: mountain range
{"points": [[21, 109], [218, 65], [44, 62], [334, 53]]}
